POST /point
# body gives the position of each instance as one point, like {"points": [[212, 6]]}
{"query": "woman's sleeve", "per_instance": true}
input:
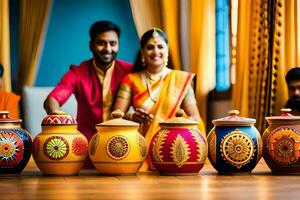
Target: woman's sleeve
{"points": [[125, 88]]}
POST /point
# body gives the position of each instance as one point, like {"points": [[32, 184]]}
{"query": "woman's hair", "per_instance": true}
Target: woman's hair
{"points": [[138, 65], [150, 34]]}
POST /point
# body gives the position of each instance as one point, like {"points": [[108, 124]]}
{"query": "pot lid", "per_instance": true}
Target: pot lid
{"points": [[58, 118], [234, 119], [117, 120], [284, 117], [179, 120], [4, 117]]}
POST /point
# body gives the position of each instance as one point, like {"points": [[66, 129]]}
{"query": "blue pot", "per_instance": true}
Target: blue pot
{"points": [[234, 144]]}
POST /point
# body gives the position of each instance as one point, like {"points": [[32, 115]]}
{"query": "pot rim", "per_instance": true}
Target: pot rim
{"points": [[71, 120], [5, 118], [285, 117], [118, 121], [234, 120], [179, 120]]}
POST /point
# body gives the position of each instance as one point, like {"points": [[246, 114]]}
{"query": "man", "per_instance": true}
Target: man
{"points": [[8, 101], [94, 82], [293, 81]]}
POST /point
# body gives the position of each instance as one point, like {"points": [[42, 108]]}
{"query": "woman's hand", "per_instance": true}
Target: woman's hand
{"points": [[141, 116]]}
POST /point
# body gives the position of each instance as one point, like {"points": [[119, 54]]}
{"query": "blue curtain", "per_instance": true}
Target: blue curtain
{"points": [[222, 46]]}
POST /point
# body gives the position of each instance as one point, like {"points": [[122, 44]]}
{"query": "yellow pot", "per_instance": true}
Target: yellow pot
{"points": [[60, 149], [117, 147]]}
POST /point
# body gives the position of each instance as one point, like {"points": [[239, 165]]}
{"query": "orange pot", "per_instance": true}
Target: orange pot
{"points": [[282, 143]]}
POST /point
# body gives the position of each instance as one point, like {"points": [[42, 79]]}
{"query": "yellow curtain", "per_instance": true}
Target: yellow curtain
{"points": [[286, 52], [5, 43], [240, 90], [267, 47], [251, 92], [146, 15], [203, 50], [162, 14], [170, 16], [33, 22]]}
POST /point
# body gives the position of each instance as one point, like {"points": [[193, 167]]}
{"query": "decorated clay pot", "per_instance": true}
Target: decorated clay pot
{"points": [[235, 145], [282, 143], [117, 148], [178, 147], [15, 145], [60, 149]]}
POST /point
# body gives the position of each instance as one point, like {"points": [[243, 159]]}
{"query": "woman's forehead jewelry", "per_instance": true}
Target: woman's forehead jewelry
{"points": [[155, 35]]}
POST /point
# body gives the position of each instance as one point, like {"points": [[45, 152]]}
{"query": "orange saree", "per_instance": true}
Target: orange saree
{"points": [[9, 102]]}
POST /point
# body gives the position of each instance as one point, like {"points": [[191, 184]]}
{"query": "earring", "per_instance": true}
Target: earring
{"points": [[166, 61], [143, 61]]}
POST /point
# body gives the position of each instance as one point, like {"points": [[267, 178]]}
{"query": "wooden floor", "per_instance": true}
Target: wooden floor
{"points": [[205, 186]]}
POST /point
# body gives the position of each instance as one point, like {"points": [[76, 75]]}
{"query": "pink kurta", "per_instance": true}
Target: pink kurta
{"points": [[82, 80]]}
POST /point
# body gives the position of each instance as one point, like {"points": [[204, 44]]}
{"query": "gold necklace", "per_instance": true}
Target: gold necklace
{"points": [[147, 80]]}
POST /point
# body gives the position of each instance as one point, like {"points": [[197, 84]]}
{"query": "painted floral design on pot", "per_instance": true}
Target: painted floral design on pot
{"points": [[117, 147], [282, 143], [235, 145], [15, 145], [56, 148], [60, 149], [178, 147]]}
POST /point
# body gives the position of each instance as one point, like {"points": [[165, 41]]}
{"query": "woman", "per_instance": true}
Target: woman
{"points": [[155, 91]]}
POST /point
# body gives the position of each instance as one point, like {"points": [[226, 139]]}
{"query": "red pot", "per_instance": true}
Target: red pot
{"points": [[178, 147]]}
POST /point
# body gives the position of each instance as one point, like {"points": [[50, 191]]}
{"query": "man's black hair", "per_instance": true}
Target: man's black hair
{"points": [[103, 26], [292, 74]]}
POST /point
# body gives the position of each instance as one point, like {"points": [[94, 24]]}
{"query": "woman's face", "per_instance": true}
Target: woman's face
{"points": [[155, 52]]}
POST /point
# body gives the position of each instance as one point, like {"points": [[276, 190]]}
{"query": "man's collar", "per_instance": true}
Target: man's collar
{"points": [[99, 69]]}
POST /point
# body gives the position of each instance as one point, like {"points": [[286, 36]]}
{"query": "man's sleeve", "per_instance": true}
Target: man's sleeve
{"points": [[65, 87]]}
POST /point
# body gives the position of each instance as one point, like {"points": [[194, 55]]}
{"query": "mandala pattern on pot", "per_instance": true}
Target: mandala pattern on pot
{"points": [[79, 146], [11, 149], [283, 145], [56, 148], [117, 147], [237, 148]]}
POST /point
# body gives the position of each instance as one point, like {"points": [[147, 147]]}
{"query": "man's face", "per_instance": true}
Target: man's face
{"points": [[105, 47], [294, 95]]}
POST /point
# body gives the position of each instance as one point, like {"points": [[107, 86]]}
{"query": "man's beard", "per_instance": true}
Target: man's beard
{"points": [[105, 61], [294, 103]]}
